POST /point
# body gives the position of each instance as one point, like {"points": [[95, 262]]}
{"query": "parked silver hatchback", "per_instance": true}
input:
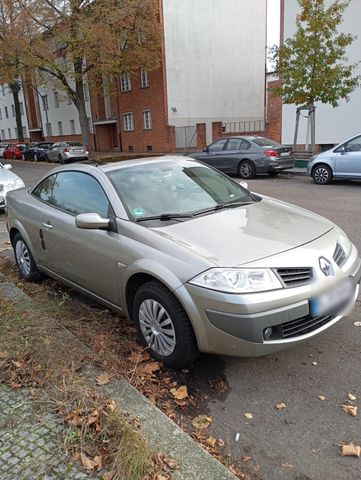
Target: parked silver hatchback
{"points": [[341, 162], [196, 260]]}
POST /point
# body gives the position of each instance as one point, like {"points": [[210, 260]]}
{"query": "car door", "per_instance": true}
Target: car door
{"points": [[53, 152], [348, 159], [231, 155], [84, 257], [210, 155]]}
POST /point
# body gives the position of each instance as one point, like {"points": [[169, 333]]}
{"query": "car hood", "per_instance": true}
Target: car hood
{"points": [[7, 175], [242, 235]]}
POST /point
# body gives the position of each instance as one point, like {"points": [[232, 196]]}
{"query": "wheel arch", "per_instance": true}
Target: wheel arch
{"points": [[18, 228], [322, 164]]}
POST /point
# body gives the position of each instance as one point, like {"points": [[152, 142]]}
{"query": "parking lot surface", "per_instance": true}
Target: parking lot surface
{"points": [[301, 441]]}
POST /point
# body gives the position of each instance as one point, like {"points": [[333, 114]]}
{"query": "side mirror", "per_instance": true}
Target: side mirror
{"points": [[8, 166], [343, 150], [91, 221], [244, 185]]}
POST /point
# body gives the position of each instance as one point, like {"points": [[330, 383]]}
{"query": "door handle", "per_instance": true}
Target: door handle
{"points": [[48, 226]]}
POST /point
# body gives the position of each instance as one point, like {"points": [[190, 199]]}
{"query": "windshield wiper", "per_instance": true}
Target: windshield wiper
{"points": [[165, 217], [222, 206]]}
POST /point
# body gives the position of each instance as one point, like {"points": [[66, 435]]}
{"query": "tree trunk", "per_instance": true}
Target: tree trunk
{"points": [[80, 105], [15, 88], [312, 113]]}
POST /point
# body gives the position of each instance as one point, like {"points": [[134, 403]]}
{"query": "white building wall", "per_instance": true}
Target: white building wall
{"points": [[215, 60], [65, 113], [7, 100], [332, 124]]}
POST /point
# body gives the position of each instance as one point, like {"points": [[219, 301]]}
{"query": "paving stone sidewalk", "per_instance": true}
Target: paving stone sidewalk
{"points": [[31, 441]]}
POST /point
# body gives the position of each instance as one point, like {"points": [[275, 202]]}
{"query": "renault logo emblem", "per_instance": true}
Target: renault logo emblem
{"points": [[325, 266]]}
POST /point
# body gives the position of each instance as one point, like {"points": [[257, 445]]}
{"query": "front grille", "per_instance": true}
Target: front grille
{"points": [[295, 277], [339, 256], [301, 326]]}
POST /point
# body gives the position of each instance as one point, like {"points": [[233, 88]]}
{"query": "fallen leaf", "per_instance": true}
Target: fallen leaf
{"points": [[287, 465], [350, 450], [322, 397], [3, 355], [351, 397], [314, 364], [180, 393], [351, 409], [211, 441], [248, 415], [161, 477], [89, 464], [246, 458], [221, 442], [281, 406], [112, 405], [202, 421], [103, 379], [137, 357], [149, 368], [17, 364]]}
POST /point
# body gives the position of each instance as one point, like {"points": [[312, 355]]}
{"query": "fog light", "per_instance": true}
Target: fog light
{"points": [[268, 332]]}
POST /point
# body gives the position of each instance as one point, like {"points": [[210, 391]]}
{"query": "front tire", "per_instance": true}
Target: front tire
{"points": [[163, 326], [322, 175], [246, 169], [25, 260]]}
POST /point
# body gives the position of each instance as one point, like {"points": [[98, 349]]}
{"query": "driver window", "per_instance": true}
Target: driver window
{"points": [[354, 145]]}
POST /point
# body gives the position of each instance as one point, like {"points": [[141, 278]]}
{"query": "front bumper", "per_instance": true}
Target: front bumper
{"points": [[230, 324]]}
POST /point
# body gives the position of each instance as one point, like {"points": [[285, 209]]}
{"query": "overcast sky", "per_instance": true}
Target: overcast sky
{"points": [[273, 23]]}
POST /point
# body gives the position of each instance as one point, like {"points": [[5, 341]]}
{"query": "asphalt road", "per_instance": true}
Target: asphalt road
{"points": [[301, 441]]}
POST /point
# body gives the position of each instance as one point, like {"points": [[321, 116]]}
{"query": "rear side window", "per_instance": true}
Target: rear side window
{"points": [[44, 190], [237, 144], [266, 142]]}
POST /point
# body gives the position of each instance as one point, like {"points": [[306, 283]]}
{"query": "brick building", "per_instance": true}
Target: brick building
{"points": [[212, 75]]}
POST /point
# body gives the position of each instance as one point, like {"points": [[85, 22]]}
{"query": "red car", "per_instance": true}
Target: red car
{"points": [[15, 151]]}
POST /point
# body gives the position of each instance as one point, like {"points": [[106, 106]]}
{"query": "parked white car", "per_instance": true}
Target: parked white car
{"points": [[8, 181]]}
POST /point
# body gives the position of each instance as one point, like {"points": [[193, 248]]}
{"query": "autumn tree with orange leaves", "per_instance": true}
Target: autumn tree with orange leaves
{"points": [[72, 44]]}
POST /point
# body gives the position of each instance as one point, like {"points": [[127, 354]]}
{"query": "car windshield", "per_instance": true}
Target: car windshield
{"points": [[74, 144], [266, 142], [174, 188]]}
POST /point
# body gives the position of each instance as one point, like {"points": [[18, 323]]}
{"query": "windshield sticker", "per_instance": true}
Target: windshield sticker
{"points": [[138, 212]]}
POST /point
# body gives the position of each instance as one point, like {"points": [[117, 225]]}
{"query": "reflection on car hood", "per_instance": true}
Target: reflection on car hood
{"points": [[7, 175], [242, 235]]}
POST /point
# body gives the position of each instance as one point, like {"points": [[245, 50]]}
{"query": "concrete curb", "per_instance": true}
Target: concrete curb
{"points": [[297, 171], [159, 431]]}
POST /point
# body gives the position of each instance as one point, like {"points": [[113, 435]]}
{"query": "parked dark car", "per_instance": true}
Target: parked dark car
{"points": [[246, 156], [37, 151], [15, 151]]}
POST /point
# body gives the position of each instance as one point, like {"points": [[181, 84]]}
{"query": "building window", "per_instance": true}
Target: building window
{"points": [[25, 132], [126, 83], [128, 122], [1, 114], [60, 128], [45, 102], [56, 99], [3, 134], [49, 130], [6, 113], [13, 110], [9, 132], [21, 105], [72, 127], [86, 93], [144, 78], [147, 120]]}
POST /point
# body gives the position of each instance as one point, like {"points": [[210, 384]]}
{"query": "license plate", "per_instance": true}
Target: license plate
{"points": [[334, 301], [285, 154]]}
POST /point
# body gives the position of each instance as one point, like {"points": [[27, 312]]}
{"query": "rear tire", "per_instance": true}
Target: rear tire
{"points": [[322, 174], [25, 260], [246, 169], [163, 326]]}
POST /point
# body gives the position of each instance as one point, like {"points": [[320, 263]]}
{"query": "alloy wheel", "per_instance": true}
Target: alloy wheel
{"points": [[23, 257], [157, 327], [321, 175]]}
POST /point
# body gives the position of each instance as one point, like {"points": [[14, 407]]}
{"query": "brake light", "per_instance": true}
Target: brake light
{"points": [[66, 149], [271, 153]]}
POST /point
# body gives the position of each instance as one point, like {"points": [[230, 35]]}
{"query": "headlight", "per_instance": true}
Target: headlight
{"points": [[19, 183], [345, 242], [238, 280]]}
